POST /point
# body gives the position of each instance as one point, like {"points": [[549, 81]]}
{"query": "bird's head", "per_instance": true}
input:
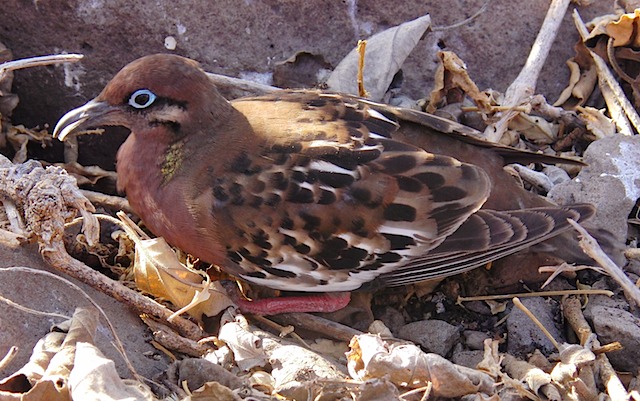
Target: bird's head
{"points": [[157, 90]]}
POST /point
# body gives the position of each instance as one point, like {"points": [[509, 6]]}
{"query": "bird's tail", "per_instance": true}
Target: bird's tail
{"points": [[486, 236]]}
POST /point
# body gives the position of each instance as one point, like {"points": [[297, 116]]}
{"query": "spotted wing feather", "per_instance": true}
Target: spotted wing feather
{"points": [[333, 202]]}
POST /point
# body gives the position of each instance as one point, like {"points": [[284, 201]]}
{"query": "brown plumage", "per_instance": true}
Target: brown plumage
{"points": [[311, 191]]}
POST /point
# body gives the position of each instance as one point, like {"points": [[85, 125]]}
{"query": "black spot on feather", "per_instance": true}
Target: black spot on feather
{"points": [[280, 272], [448, 194], [409, 184], [398, 164], [400, 212], [399, 242], [431, 180], [335, 180]]}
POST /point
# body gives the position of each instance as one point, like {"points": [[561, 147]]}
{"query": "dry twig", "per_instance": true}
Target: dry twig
{"points": [[50, 197], [590, 246], [316, 323], [573, 313], [38, 61], [524, 85], [620, 108], [243, 84], [537, 322]]}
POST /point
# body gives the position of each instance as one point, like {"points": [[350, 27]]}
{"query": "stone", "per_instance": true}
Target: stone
{"points": [[613, 324], [524, 336], [468, 358], [47, 294], [611, 182], [474, 339], [435, 336]]}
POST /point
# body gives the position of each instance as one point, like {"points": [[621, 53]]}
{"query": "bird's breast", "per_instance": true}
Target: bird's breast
{"points": [[147, 173]]}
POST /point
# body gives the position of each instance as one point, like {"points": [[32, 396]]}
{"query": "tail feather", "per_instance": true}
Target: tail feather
{"points": [[509, 232]]}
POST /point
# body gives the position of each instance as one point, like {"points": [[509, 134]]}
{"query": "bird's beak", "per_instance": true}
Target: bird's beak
{"points": [[92, 114]]}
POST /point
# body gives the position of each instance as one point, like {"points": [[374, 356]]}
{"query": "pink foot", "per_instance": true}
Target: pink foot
{"points": [[328, 302]]}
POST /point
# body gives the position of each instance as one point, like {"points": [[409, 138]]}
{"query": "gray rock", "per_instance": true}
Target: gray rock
{"points": [[392, 318], [617, 301], [474, 339], [611, 182], [470, 359], [434, 336], [47, 294], [198, 371], [523, 334], [613, 324], [556, 174]]}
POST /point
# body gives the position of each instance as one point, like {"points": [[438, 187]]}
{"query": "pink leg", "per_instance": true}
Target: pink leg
{"points": [[327, 302]]}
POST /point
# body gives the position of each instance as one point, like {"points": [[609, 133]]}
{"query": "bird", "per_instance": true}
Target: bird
{"points": [[312, 191]]}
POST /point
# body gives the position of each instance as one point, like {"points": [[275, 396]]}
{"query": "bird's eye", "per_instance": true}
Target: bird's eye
{"points": [[142, 98]]}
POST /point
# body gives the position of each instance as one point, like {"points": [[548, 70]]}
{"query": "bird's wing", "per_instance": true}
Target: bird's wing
{"points": [[511, 231], [435, 124], [331, 202]]}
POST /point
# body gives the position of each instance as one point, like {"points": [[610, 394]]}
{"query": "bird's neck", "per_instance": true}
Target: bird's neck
{"points": [[145, 170], [141, 164]]}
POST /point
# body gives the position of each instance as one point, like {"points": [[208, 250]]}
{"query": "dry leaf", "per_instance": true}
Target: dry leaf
{"points": [[386, 52], [329, 348], [538, 381], [576, 354], [491, 360], [212, 391], [159, 272], [43, 352], [624, 31], [496, 307], [67, 366], [582, 81], [94, 377], [452, 75], [598, 124], [292, 363], [246, 347], [613, 43], [377, 390], [407, 366], [88, 174], [535, 129], [19, 137]]}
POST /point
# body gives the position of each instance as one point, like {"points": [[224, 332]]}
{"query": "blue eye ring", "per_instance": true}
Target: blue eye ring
{"points": [[142, 98]]}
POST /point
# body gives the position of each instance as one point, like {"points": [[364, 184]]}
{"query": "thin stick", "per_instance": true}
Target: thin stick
{"points": [[57, 257], [316, 323], [38, 61], [572, 311], [243, 84], [535, 294], [621, 109], [110, 201], [590, 246], [361, 48], [535, 320], [524, 85], [464, 21], [13, 351]]}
